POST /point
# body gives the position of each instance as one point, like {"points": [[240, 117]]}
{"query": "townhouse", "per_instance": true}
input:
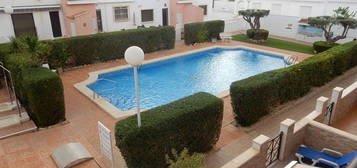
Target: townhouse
{"points": [[66, 18]]}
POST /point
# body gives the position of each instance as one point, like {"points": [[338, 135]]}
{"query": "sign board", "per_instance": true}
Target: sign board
{"points": [[105, 139]]}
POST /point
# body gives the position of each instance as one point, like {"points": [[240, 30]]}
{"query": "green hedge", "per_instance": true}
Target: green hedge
{"points": [[16, 63], [44, 95], [4, 50], [203, 31], [108, 46], [88, 49], [255, 96], [39, 90], [260, 34], [193, 122], [321, 46]]}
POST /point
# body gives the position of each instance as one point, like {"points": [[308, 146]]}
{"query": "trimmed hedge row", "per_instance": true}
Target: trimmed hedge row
{"points": [[203, 31], [108, 46], [255, 96], [321, 46], [44, 95], [193, 122], [39, 90]]}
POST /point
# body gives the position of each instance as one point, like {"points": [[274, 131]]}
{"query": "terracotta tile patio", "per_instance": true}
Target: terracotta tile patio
{"points": [[34, 149]]}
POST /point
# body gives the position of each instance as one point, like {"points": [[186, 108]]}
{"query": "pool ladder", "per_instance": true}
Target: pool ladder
{"points": [[292, 59], [95, 95]]}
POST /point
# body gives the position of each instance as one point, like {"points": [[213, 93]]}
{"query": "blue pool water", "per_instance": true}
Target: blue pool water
{"points": [[162, 82], [309, 30]]}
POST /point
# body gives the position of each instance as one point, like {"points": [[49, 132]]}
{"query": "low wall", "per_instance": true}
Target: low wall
{"points": [[311, 131], [345, 102], [253, 157], [319, 136]]}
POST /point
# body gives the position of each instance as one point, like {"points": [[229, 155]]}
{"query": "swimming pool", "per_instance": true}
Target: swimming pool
{"points": [[162, 82]]}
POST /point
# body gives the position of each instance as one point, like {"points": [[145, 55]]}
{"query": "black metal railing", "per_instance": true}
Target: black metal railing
{"points": [[329, 111], [273, 150]]}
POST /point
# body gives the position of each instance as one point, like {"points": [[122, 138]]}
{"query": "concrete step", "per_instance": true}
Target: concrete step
{"points": [[13, 119], [7, 106], [24, 127], [7, 113]]}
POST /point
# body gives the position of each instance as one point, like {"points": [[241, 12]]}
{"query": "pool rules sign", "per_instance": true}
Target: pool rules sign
{"points": [[105, 139]]}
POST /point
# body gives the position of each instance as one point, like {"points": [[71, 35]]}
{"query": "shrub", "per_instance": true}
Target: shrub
{"points": [[260, 34], [59, 55], [193, 122], [16, 63], [108, 46], [185, 160], [255, 96], [202, 36], [4, 50], [321, 46], [44, 94], [31, 44], [203, 31], [39, 90]]}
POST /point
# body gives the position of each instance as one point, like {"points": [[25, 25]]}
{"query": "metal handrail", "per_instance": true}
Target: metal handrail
{"points": [[12, 87], [95, 94]]}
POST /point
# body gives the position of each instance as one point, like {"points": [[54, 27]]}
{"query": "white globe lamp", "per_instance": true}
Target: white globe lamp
{"points": [[134, 55]]}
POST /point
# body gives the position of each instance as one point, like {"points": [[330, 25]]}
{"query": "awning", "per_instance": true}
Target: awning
{"points": [[23, 9]]}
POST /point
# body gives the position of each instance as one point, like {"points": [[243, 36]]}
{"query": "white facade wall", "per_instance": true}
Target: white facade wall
{"points": [[41, 18], [135, 7], [6, 28], [43, 24]]}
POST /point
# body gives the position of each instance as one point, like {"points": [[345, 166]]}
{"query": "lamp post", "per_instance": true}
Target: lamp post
{"points": [[135, 56]]}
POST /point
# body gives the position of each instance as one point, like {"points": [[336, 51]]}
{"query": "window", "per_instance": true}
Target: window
{"points": [[55, 23], [276, 9], [305, 11], [121, 13], [147, 15], [23, 24], [99, 20], [204, 7]]}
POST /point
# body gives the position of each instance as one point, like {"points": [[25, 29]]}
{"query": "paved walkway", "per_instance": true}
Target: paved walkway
{"points": [[34, 149], [269, 125]]}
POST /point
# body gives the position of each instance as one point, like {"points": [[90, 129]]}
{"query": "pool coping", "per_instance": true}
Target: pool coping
{"points": [[119, 114]]}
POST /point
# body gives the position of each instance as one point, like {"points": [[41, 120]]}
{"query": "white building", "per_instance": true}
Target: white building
{"points": [[42, 18], [49, 19]]}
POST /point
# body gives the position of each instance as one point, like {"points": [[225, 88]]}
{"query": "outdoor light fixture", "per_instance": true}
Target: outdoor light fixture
{"points": [[135, 56]]}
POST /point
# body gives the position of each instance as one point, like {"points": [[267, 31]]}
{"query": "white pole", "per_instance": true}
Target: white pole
{"points": [[137, 95]]}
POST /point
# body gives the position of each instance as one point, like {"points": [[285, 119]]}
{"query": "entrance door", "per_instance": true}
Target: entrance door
{"points": [[99, 20], [165, 17], [56, 24], [23, 24]]}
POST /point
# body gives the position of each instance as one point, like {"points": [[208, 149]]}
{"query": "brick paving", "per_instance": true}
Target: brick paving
{"points": [[34, 149]]}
